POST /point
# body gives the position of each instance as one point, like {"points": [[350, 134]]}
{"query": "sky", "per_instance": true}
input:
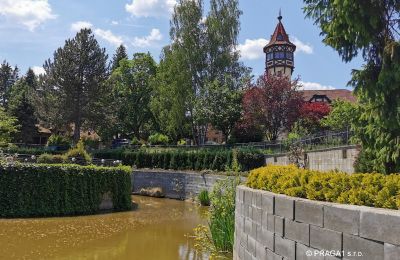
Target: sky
{"points": [[31, 30]]}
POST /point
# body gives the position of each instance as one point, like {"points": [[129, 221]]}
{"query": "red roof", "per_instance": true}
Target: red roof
{"points": [[280, 37], [334, 94]]}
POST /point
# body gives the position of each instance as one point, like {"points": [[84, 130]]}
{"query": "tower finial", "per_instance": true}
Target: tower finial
{"points": [[280, 14]]}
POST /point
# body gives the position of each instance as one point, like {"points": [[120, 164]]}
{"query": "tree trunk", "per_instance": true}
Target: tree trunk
{"points": [[77, 131]]}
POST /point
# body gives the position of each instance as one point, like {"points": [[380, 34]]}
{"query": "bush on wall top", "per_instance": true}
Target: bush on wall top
{"points": [[61, 190], [373, 190]]}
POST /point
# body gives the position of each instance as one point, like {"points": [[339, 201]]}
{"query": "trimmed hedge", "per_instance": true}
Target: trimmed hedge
{"points": [[204, 159], [61, 190], [373, 190]]}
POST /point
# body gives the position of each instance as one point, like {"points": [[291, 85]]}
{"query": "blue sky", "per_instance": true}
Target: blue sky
{"points": [[31, 30]]}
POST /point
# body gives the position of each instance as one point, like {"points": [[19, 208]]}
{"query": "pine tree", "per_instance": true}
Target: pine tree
{"points": [[119, 55], [8, 76]]}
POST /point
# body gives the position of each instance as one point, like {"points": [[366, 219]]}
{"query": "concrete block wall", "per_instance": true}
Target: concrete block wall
{"points": [[340, 158], [175, 185], [274, 226]]}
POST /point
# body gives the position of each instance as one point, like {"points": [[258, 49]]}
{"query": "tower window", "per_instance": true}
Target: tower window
{"points": [[270, 56], [279, 37], [289, 55], [279, 55]]}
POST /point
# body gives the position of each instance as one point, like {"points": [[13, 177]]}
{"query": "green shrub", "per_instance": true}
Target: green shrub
{"points": [[204, 198], [61, 190], [79, 154], [373, 189], [364, 162], [51, 158], [135, 141], [59, 140], [158, 139]]}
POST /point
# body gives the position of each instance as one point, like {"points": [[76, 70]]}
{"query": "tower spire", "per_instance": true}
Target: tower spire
{"points": [[280, 14]]}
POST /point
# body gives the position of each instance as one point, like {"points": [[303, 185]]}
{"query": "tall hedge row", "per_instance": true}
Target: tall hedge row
{"points": [[207, 159], [61, 190]]}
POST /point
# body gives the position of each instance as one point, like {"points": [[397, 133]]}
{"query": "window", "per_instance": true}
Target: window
{"points": [[279, 37], [270, 56], [289, 55], [279, 55]]}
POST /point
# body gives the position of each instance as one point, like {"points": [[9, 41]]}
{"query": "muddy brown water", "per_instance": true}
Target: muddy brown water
{"points": [[158, 229]]}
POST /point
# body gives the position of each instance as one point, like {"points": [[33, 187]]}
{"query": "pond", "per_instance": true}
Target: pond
{"points": [[158, 229]]}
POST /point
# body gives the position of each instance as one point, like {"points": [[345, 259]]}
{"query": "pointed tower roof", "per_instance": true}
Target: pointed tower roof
{"points": [[280, 37]]}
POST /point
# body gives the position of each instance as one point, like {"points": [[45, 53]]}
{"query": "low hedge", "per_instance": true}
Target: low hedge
{"points": [[373, 190], [204, 159], [61, 190]]}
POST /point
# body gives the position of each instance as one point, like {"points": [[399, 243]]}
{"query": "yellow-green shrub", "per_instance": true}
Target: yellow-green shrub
{"points": [[374, 190]]}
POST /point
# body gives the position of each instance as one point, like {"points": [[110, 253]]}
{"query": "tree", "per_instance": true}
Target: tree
{"points": [[372, 28], [309, 121], [75, 81], [120, 54], [273, 104], [8, 127], [341, 117], [8, 76], [133, 93], [21, 106]]}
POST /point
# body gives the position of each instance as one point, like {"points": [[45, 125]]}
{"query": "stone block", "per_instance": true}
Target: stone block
{"points": [[251, 245], [285, 247], [299, 232], [248, 211], [325, 239], [247, 255], [360, 248], [266, 238], [380, 225], [268, 221], [342, 218], [256, 198], [240, 192], [243, 240], [261, 251], [391, 252], [279, 225], [302, 253], [284, 206], [254, 228], [268, 202], [309, 212], [257, 215], [248, 226], [248, 197], [272, 256]]}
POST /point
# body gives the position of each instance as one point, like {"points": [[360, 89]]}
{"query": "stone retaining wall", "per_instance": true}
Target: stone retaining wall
{"points": [[273, 226], [175, 185], [339, 158]]}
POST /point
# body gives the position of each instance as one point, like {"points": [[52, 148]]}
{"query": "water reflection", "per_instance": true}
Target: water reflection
{"points": [[158, 229]]}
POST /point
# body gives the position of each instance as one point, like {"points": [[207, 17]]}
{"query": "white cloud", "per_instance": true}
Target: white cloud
{"points": [[252, 49], [77, 26], [314, 86], [302, 47], [38, 70], [147, 41], [29, 13], [114, 22], [151, 8], [108, 36]]}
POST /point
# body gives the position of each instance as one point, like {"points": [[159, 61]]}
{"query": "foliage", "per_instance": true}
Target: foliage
{"points": [[204, 198], [120, 54], [246, 131], [158, 139], [205, 159], [310, 117], [79, 153], [51, 158], [273, 104], [132, 92], [8, 127], [61, 190], [73, 92], [372, 28], [8, 76], [373, 190], [364, 162], [341, 117], [59, 140], [222, 214]]}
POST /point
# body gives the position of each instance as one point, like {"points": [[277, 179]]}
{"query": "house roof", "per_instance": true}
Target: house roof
{"points": [[280, 37], [343, 94]]}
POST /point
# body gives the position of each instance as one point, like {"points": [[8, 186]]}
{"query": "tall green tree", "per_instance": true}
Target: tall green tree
{"points": [[8, 76], [132, 92], [21, 106], [75, 81], [371, 28], [8, 127], [120, 54]]}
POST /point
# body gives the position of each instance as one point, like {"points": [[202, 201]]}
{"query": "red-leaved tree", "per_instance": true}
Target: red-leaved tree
{"points": [[314, 111], [272, 104]]}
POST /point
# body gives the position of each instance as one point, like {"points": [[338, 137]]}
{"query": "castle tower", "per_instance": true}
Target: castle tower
{"points": [[280, 52]]}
